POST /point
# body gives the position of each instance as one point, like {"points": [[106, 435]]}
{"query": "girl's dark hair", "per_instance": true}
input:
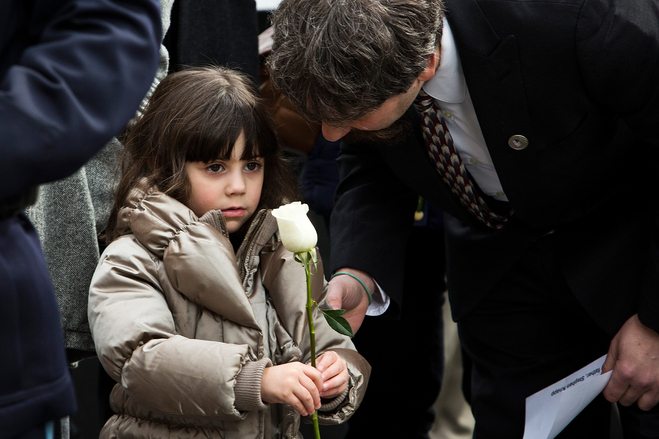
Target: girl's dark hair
{"points": [[197, 115]]}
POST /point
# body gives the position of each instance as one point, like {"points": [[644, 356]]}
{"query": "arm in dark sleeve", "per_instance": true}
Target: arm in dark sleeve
{"points": [[618, 46], [618, 51], [74, 87], [372, 219]]}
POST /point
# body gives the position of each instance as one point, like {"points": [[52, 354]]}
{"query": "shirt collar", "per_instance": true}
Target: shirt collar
{"points": [[448, 83]]}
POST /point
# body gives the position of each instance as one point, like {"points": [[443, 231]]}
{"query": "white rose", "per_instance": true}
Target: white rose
{"points": [[297, 232]]}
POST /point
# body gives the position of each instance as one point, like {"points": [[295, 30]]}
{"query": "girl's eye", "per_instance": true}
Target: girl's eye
{"points": [[252, 166], [215, 167]]}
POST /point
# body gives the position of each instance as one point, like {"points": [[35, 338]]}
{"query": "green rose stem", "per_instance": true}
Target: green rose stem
{"points": [[307, 259], [299, 236]]}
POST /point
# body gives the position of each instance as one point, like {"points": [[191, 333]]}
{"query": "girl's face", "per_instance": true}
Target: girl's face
{"points": [[232, 186]]}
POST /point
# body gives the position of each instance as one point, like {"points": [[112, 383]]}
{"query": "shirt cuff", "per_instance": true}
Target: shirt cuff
{"points": [[380, 301]]}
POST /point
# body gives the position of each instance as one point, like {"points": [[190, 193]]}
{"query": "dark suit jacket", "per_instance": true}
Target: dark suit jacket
{"points": [[580, 80]]}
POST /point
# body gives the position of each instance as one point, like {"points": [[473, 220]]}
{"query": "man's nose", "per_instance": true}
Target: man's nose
{"points": [[333, 133]]}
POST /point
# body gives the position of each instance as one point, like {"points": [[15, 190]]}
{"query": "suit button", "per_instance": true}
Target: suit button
{"points": [[518, 142]]}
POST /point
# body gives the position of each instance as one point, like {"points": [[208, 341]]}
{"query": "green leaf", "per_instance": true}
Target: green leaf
{"points": [[336, 322]]}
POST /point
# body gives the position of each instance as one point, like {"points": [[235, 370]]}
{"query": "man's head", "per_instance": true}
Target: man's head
{"points": [[354, 64]]}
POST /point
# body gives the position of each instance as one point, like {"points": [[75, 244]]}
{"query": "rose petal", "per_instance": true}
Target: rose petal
{"points": [[295, 228]]}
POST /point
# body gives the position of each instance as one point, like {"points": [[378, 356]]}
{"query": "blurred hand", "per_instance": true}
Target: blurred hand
{"points": [[347, 293], [296, 384], [334, 372], [634, 358]]}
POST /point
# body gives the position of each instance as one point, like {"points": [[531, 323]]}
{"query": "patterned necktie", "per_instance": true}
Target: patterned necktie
{"points": [[449, 164]]}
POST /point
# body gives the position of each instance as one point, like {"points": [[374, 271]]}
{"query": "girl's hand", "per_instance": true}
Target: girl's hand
{"points": [[295, 384], [334, 374]]}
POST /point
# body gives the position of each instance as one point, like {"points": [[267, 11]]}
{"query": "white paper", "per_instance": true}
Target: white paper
{"points": [[551, 409]]}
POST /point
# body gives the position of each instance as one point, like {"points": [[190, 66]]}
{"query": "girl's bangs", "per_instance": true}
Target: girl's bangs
{"points": [[218, 138]]}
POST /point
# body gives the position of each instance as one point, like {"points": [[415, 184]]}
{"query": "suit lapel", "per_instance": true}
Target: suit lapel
{"points": [[493, 74]]}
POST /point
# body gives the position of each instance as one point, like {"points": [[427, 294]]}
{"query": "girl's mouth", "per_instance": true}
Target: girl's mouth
{"points": [[233, 212]]}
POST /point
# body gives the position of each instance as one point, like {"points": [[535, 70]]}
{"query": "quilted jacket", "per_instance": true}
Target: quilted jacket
{"points": [[185, 326]]}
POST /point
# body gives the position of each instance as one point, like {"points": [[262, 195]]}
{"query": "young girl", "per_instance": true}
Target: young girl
{"points": [[196, 309]]}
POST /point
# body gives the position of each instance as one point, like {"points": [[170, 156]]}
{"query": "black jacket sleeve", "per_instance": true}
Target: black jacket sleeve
{"points": [[372, 219]]}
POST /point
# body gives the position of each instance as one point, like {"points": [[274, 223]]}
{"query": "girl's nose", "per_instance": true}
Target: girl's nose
{"points": [[236, 183]]}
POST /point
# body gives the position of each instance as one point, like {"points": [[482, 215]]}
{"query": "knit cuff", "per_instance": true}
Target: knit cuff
{"points": [[332, 404], [248, 386]]}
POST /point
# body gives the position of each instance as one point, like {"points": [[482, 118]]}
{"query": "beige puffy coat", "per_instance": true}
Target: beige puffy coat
{"points": [[177, 319]]}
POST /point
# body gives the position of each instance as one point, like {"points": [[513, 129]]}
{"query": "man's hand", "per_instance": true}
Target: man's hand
{"points": [[295, 384], [634, 358], [347, 293]]}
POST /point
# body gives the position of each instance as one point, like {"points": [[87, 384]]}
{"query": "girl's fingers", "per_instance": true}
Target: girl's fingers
{"points": [[335, 386], [309, 391], [333, 370], [326, 360]]}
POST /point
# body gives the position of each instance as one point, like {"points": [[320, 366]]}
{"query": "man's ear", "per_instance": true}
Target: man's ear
{"points": [[433, 63]]}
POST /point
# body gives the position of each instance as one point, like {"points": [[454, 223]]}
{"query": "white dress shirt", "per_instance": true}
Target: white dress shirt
{"points": [[451, 94]]}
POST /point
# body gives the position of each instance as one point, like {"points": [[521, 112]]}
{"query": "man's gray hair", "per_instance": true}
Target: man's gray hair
{"points": [[337, 60]]}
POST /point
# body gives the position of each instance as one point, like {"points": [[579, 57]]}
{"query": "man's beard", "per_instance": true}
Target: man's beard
{"points": [[391, 135]]}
